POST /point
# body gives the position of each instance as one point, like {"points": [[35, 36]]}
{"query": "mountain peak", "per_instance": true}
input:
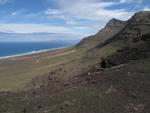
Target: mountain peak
{"points": [[113, 25], [114, 22]]}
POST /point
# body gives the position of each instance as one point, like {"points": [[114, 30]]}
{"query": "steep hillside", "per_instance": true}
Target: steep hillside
{"points": [[75, 64], [135, 28], [74, 81], [111, 44], [133, 42], [111, 28], [116, 37], [134, 34]]}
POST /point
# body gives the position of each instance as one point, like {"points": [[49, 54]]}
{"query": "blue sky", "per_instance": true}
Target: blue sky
{"points": [[84, 17]]}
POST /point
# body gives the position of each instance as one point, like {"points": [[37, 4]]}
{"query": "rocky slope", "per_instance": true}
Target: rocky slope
{"points": [[133, 42]]}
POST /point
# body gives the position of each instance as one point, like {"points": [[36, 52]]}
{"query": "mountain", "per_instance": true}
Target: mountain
{"points": [[137, 26], [130, 34], [119, 42], [114, 44], [133, 42], [104, 73], [111, 28], [112, 25]]}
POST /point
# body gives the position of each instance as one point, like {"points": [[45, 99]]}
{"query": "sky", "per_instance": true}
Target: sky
{"points": [[83, 17]]}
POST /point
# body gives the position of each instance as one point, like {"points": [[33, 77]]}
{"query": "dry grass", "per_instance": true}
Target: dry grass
{"points": [[16, 72]]}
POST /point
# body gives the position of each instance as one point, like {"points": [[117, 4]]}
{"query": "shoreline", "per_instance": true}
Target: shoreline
{"points": [[31, 53]]}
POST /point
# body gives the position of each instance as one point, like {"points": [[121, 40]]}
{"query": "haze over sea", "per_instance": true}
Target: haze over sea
{"points": [[12, 44]]}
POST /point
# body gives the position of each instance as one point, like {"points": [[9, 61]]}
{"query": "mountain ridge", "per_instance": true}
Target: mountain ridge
{"points": [[113, 26]]}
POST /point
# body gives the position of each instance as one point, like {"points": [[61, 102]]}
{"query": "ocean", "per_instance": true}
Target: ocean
{"points": [[17, 48]]}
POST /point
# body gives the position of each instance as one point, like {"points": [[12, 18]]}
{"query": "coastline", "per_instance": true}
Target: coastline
{"points": [[32, 53]]}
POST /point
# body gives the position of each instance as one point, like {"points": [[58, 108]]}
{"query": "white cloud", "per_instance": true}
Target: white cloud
{"points": [[81, 28], [52, 11], [125, 1], [5, 1], [146, 9], [15, 13], [74, 12], [136, 2], [31, 28], [91, 10], [71, 22], [58, 14], [57, 17]]}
